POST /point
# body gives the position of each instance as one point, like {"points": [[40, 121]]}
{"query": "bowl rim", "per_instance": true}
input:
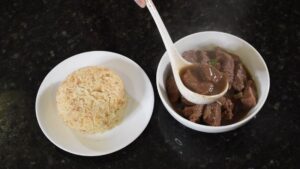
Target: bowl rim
{"points": [[202, 127]]}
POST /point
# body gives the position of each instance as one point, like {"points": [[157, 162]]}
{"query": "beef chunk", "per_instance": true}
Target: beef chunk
{"points": [[227, 107], [203, 57], [190, 80], [212, 114], [217, 75], [226, 63], [249, 99], [186, 102], [209, 73], [196, 56], [240, 77], [190, 56], [236, 58], [204, 72], [193, 113], [172, 90]]}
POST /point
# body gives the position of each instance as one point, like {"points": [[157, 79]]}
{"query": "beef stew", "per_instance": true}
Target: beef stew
{"points": [[233, 106]]}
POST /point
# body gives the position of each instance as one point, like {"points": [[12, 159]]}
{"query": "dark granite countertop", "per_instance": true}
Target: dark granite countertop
{"points": [[37, 35]]}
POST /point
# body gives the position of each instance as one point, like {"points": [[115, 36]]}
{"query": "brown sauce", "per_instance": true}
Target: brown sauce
{"points": [[203, 79]]}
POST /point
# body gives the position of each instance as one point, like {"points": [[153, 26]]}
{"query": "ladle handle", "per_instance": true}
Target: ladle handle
{"points": [[174, 55]]}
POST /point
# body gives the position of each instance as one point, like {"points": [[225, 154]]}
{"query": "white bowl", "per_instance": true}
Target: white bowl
{"points": [[208, 40], [137, 114]]}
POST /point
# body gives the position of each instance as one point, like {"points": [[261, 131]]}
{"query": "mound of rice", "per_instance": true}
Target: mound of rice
{"points": [[91, 100]]}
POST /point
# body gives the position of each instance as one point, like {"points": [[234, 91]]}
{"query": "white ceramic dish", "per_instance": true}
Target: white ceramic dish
{"points": [[208, 40], [137, 114]]}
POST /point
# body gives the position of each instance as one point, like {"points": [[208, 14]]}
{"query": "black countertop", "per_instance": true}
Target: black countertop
{"points": [[37, 35]]}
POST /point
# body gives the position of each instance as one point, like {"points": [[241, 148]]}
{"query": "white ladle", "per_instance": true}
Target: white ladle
{"points": [[177, 62]]}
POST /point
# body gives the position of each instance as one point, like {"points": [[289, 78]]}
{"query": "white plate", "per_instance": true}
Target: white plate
{"points": [[138, 111]]}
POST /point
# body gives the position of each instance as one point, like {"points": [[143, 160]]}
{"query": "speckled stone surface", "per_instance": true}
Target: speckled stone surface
{"points": [[37, 35]]}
